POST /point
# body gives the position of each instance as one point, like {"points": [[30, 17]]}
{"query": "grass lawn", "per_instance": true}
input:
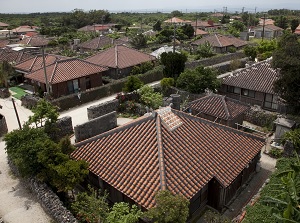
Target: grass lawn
{"points": [[17, 92]]}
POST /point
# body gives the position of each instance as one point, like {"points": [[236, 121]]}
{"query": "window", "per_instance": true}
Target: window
{"points": [[234, 90], [271, 101], [73, 86], [248, 93]]}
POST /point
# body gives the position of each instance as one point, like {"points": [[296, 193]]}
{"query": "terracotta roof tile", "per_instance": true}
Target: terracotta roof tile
{"points": [[219, 106], [64, 70], [2, 24], [176, 20], [34, 41], [129, 157], [4, 42], [217, 40], [120, 57], [100, 43], [36, 63], [12, 56], [258, 77]]}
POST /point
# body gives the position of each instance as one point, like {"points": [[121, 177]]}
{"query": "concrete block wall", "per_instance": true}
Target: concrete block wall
{"points": [[95, 126], [102, 109]]}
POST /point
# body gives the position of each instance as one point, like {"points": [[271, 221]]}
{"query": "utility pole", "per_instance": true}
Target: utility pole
{"points": [[255, 10], [174, 37], [13, 101], [263, 30], [243, 10], [45, 72]]}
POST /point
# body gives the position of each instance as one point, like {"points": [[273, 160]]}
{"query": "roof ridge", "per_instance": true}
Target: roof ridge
{"points": [[53, 72], [225, 107], [218, 39], [161, 162], [33, 62]]}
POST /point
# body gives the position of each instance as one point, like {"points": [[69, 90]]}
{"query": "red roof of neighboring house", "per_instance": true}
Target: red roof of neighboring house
{"points": [[4, 42], [297, 30], [146, 155], [96, 27], [24, 29], [204, 24], [270, 27], [34, 41], [65, 70], [217, 14], [36, 62], [2, 24], [13, 56], [176, 20], [258, 77], [200, 32], [218, 40], [267, 22], [219, 106], [100, 43], [30, 34], [120, 56]]}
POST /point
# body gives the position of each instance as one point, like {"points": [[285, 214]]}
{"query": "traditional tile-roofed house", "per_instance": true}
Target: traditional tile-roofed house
{"points": [[12, 56], [297, 30], [24, 29], [263, 21], [200, 32], [221, 43], [36, 63], [220, 109], [270, 32], [121, 59], [99, 43], [176, 20], [99, 28], [4, 43], [204, 161], [3, 25], [205, 25], [253, 85], [36, 41], [68, 76]]}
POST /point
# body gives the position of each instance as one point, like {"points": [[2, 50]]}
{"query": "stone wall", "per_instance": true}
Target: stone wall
{"points": [[29, 101], [214, 60], [50, 202], [102, 109], [4, 93], [260, 117], [3, 126], [95, 126], [64, 127]]}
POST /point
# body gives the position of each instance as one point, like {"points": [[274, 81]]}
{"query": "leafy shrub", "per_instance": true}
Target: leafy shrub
{"points": [[133, 83], [276, 153], [166, 83], [149, 97]]}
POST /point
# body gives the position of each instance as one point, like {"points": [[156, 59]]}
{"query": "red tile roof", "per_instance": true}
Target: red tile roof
{"points": [[200, 32], [100, 43], [4, 42], [270, 27], [258, 77], [13, 56], [219, 106], [2, 24], [34, 41], [176, 20], [217, 40], [65, 70], [145, 156], [36, 62], [120, 57], [24, 29]]}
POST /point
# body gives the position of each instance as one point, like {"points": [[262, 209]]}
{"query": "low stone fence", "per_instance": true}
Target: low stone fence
{"points": [[50, 202], [260, 117], [3, 126], [64, 127], [214, 60], [102, 109], [29, 101], [95, 126]]}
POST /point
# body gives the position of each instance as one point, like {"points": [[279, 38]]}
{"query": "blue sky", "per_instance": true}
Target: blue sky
{"points": [[13, 6]]}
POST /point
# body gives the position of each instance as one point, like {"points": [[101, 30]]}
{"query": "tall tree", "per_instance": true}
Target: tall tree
{"points": [[169, 208], [287, 58], [121, 213], [174, 63], [294, 25], [197, 80], [157, 26], [281, 22]]}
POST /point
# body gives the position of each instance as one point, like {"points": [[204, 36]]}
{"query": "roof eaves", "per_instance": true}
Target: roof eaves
{"points": [[217, 37], [53, 73]]}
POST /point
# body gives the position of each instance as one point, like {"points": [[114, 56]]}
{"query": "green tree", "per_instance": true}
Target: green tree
{"points": [[250, 51], [138, 41], [176, 13], [238, 25], [122, 213], [157, 26], [205, 50], [169, 208], [287, 59], [6, 71], [166, 83], [198, 80], [91, 207], [174, 64], [294, 24], [188, 30], [294, 137], [133, 83], [265, 49], [281, 22], [149, 97]]}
